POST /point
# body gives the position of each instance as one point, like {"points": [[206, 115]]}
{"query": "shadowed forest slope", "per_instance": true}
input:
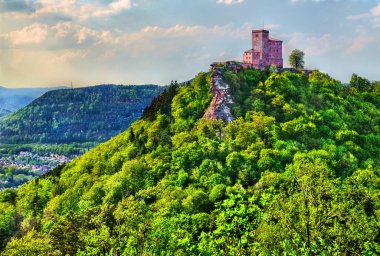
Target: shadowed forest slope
{"points": [[89, 114]]}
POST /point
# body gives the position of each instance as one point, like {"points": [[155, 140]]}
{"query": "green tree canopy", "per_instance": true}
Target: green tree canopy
{"points": [[360, 83], [296, 173], [296, 59]]}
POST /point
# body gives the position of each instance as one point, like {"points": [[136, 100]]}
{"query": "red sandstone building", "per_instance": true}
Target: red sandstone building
{"points": [[265, 51]]}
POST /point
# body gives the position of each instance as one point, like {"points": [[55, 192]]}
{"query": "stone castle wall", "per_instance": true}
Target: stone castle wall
{"points": [[265, 51]]}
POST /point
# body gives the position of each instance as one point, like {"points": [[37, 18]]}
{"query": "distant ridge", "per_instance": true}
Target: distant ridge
{"points": [[12, 99], [85, 114]]}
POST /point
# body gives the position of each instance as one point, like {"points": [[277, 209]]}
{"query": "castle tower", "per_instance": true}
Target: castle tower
{"points": [[265, 51], [260, 44]]}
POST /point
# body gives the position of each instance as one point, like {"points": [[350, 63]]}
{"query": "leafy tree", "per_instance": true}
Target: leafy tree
{"points": [[33, 243], [296, 59], [359, 83], [376, 88], [318, 208], [234, 224]]}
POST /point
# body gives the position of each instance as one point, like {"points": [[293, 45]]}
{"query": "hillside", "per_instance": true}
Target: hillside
{"points": [[90, 114], [297, 172], [12, 99]]}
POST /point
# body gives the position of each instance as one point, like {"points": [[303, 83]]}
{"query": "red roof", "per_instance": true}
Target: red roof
{"points": [[275, 40], [251, 50]]}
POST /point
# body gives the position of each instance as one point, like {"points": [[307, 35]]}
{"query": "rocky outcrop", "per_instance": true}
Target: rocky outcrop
{"points": [[221, 97]]}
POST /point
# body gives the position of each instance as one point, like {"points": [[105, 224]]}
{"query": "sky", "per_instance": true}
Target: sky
{"points": [[53, 42]]}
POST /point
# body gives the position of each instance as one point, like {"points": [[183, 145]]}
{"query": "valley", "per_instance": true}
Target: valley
{"points": [[63, 124], [16, 169]]}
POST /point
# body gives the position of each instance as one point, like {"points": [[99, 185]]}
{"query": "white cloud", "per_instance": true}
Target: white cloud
{"points": [[58, 36], [229, 2], [310, 44], [85, 33], [360, 41], [65, 7], [63, 29], [323, 45], [67, 31], [376, 10], [113, 8], [373, 15], [67, 55], [72, 51], [174, 31], [359, 16], [74, 9], [33, 34]]}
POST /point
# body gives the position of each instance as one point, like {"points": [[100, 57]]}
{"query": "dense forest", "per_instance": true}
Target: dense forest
{"points": [[12, 177], [90, 114], [296, 173], [70, 150]]}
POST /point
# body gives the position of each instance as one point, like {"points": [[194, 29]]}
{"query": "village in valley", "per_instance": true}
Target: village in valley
{"points": [[17, 168]]}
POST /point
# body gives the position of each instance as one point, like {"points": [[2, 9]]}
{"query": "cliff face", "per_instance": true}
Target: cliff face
{"points": [[221, 97]]}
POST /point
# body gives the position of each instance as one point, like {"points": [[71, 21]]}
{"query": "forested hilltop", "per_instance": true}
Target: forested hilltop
{"points": [[296, 173], [90, 114]]}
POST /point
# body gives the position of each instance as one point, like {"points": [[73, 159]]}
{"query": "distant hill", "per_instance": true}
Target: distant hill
{"points": [[89, 114], [12, 99]]}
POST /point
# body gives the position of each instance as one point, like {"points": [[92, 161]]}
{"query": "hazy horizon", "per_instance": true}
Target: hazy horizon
{"points": [[45, 43]]}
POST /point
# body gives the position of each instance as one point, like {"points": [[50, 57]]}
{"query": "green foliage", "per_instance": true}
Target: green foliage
{"points": [[359, 83], [296, 173], [190, 102], [376, 88], [296, 59], [310, 205], [7, 219], [161, 104], [71, 149], [13, 177], [31, 244], [92, 114], [241, 85], [233, 227]]}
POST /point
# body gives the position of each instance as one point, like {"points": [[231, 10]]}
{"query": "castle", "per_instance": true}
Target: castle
{"points": [[265, 51]]}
